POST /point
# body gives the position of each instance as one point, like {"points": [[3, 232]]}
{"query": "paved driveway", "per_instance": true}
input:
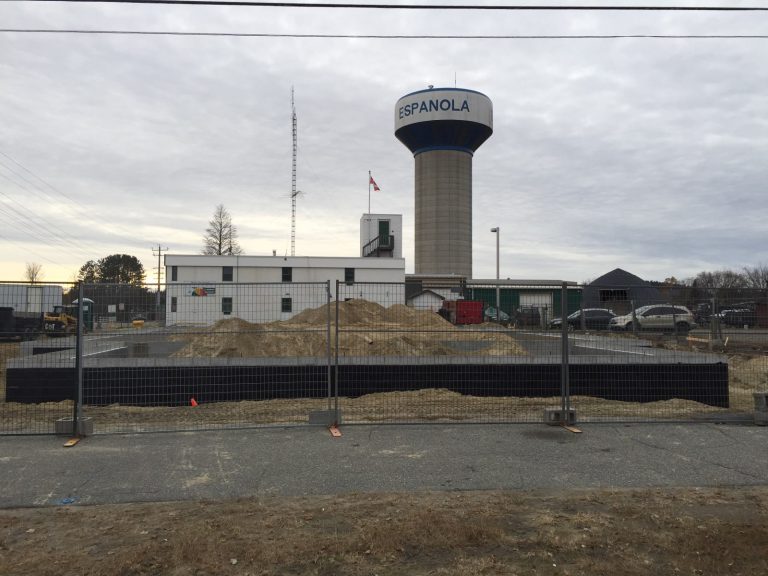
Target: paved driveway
{"points": [[38, 471]]}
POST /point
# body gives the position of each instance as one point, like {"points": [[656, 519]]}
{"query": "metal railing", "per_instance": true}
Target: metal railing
{"points": [[379, 243]]}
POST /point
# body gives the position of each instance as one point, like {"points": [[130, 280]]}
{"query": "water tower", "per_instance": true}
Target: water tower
{"points": [[443, 127]]}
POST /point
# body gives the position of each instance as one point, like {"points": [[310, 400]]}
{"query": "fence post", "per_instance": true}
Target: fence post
{"points": [[715, 334], [634, 317], [565, 392], [328, 338], [336, 360], [78, 399]]}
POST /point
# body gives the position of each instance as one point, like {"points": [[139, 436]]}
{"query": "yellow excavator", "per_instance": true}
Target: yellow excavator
{"points": [[61, 322]]}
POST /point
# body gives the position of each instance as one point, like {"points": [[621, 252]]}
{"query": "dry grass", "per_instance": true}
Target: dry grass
{"points": [[428, 405], [589, 532]]}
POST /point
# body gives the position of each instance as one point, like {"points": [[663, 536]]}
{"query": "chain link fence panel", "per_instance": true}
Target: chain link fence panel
{"points": [[37, 338], [439, 354], [216, 355]]}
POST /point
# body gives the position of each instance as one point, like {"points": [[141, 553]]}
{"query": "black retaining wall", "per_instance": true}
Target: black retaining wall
{"points": [[174, 386]]}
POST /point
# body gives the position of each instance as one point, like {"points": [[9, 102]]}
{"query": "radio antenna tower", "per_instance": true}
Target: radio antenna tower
{"points": [[294, 192]]}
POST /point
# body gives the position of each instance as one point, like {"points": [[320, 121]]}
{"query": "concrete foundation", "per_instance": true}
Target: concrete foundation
{"points": [[172, 382]]}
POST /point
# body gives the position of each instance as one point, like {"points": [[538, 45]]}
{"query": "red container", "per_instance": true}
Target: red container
{"points": [[464, 311]]}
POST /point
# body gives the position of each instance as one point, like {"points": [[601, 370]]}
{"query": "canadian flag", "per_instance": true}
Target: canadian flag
{"points": [[375, 186]]}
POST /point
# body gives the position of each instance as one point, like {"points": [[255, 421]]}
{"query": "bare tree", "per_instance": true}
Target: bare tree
{"points": [[33, 272], [757, 276], [727, 279], [221, 235]]}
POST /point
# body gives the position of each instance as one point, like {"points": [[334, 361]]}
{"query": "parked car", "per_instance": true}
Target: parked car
{"points": [[490, 315], [738, 317], [527, 317], [594, 319], [656, 317]]}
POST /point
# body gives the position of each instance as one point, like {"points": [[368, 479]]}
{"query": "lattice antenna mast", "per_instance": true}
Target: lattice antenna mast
{"points": [[294, 192]]}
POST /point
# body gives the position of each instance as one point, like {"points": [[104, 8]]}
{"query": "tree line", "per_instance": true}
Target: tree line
{"points": [[754, 277]]}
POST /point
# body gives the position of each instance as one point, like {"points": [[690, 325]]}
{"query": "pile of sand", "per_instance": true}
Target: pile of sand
{"points": [[365, 329]]}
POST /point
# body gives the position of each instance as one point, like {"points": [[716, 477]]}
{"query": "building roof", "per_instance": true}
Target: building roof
{"points": [[511, 283], [619, 278], [425, 293]]}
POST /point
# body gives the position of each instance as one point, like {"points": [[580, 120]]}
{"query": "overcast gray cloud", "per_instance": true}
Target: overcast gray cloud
{"points": [[648, 155]]}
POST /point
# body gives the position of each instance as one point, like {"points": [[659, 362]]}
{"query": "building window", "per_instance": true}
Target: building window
{"points": [[349, 275], [226, 305], [174, 303], [174, 273], [286, 305], [613, 296], [226, 273], [287, 274]]}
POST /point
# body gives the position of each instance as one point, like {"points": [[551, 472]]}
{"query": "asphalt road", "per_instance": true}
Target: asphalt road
{"points": [[39, 471]]}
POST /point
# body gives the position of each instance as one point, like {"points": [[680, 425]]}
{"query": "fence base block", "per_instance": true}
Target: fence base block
{"points": [[761, 401], [63, 426], [761, 418], [325, 417], [558, 416]]}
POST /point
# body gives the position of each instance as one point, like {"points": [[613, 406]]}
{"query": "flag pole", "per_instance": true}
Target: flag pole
{"points": [[369, 191]]}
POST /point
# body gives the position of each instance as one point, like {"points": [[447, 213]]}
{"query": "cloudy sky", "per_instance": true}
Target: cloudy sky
{"points": [[645, 154]]}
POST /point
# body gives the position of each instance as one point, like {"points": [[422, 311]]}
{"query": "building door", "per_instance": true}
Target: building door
{"points": [[541, 301], [383, 233]]}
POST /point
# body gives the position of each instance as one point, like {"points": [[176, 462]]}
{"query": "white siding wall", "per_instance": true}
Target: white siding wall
{"points": [[35, 299], [369, 229], [262, 302]]}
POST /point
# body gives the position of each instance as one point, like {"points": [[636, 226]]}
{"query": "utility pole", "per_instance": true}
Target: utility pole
{"points": [[498, 299], [159, 269]]}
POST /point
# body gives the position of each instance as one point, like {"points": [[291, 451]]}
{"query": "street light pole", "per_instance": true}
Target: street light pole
{"points": [[498, 299]]}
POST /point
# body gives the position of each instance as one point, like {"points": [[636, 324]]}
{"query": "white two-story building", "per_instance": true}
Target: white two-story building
{"points": [[205, 289]]}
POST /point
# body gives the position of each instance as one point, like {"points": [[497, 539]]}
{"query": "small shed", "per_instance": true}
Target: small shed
{"points": [[426, 300]]}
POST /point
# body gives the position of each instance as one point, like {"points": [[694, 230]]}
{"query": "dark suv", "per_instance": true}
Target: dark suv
{"points": [[738, 317], [594, 319], [527, 317]]}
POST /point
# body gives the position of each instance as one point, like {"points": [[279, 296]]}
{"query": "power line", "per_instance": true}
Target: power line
{"points": [[82, 212], [28, 219], [28, 171], [396, 36], [27, 249], [347, 6]]}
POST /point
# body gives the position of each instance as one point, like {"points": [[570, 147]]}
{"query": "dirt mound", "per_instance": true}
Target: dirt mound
{"points": [[232, 325], [406, 315], [351, 312], [366, 329]]}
